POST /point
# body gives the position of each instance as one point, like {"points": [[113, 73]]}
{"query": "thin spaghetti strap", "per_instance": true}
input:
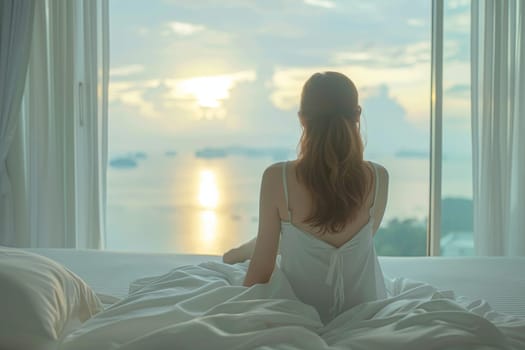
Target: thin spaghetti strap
{"points": [[285, 187], [376, 187]]}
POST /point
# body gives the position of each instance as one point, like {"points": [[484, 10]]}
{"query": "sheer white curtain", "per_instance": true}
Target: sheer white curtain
{"points": [[16, 21], [61, 153], [498, 126]]}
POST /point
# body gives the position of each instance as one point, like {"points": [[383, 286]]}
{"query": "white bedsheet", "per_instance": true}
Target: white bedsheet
{"points": [[500, 281], [205, 307]]}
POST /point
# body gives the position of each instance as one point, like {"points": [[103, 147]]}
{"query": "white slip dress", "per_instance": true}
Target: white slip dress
{"points": [[331, 279]]}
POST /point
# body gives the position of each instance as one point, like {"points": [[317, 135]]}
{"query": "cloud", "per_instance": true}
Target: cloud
{"points": [[404, 70], [385, 122], [389, 56], [457, 17], [416, 22], [207, 92], [458, 4], [452, 49], [409, 85], [184, 28], [143, 31], [124, 71], [178, 102], [458, 23], [327, 4], [459, 90], [282, 30], [251, 5], [286, 84], [456, 98], [132, 94]]}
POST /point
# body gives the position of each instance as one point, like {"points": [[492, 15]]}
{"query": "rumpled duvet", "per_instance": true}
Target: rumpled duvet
{"points": [[205, 306]]}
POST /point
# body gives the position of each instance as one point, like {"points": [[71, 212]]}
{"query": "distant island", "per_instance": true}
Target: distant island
{"points": [[417, 154], [128, 161], [170, 153], [251, 152], [141, 155], [210, 153], [123, 163]]}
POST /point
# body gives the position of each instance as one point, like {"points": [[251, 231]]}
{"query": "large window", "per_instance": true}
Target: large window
{"points": [[204, 95]]}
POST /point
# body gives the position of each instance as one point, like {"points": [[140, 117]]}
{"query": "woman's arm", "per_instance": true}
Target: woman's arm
{"points": [[382, 196], [268, 235]]}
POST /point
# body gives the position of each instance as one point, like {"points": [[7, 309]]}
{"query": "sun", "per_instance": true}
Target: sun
{"points": [[209, 92]]}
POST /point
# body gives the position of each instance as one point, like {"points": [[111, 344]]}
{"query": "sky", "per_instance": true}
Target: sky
{"points": [[192, 74]]}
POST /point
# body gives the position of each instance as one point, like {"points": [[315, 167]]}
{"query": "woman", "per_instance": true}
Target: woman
{"points": [[323, 208]]}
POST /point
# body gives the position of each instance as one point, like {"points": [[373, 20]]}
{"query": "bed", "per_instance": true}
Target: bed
{"points": [[499, 281]]}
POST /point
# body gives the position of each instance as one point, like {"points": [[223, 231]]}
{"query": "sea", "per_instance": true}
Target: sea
{"points": [[169, 202]]}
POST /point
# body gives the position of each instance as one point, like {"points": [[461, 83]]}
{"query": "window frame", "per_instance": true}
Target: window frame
{"points": [[436, 130]]}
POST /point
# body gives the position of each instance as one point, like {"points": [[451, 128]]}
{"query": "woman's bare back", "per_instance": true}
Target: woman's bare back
{"points": [[300, 203]]}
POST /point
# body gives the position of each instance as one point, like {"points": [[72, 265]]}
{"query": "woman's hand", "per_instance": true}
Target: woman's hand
{"points": [[233, 256], [239, 254]]}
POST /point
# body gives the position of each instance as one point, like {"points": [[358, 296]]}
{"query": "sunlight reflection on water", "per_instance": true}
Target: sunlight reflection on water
{"points": [[208, 199], [208, 190], [208, 225]]}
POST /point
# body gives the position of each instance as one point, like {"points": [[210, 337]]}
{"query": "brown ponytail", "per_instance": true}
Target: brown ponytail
{"points": [[330, 162]]}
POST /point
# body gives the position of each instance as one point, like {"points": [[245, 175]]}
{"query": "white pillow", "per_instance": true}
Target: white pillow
{"points": [[39, 299]]}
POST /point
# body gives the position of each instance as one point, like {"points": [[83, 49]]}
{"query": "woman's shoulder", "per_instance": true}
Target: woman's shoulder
{"points": [[279, 166], [275, 173], [381, 170], [272, 181], [382, 173]]}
